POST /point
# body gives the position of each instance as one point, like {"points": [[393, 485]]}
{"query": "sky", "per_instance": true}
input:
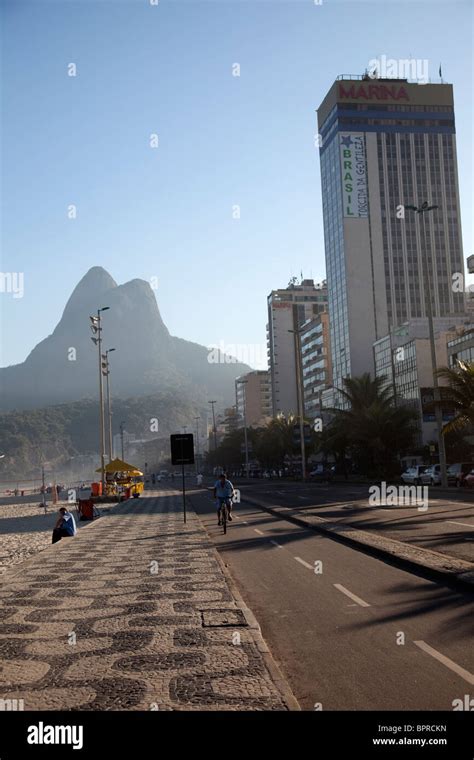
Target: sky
{"points": [[168, 214]]}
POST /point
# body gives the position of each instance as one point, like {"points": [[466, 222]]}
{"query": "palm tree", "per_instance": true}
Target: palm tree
{"points": [[460, 394], [375, 428], [276, 440]]}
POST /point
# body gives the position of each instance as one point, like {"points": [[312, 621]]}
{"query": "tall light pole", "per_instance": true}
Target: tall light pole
{"points": [[422, 210], [196, 419], [214, 423], [246, 443], [96, 327], [106, 373], [121, 437], [299, 388]]}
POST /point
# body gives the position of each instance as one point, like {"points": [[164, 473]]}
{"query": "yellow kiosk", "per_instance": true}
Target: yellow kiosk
{"points": [[122, 479]]}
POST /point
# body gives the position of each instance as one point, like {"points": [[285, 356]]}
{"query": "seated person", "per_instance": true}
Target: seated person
{"points": [[65, 525]]}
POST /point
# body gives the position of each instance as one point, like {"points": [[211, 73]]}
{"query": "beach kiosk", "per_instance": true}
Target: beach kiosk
{"points": [[122, 480]]}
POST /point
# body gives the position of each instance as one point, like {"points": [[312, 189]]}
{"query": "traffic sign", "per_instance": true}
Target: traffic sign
{"points": [[182, 448]]}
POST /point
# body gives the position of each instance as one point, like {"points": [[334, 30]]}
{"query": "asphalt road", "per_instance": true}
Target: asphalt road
{"points": [[358, 634], [446, 526]]}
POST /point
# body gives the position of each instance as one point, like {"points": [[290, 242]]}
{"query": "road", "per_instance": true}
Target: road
{"points": [[446, 526], [357, 634]]}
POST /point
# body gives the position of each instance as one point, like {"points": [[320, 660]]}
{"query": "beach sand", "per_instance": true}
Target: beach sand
{"points": [[25, 529]]}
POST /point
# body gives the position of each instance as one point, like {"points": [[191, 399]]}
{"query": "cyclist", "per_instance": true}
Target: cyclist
{"points": [[223, 492]]}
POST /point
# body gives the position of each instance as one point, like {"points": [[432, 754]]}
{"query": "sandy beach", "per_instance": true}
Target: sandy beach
{"points": [[25, 529]]}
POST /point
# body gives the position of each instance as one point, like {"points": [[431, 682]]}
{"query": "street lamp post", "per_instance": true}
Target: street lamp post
{"points": [[244, 382], [422, 210], [196, 419], [106, 373], [121, 438], [96, 328], [43, 488], [299, 388], [214, 423]]}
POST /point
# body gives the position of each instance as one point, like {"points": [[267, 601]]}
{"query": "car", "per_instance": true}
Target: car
{"points": [[416, 475], [457, 473], [321, 474], [434, 474], [469, 479]]}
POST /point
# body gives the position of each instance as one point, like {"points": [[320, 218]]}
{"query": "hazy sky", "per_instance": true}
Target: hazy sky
{"points": [[223, 140]]}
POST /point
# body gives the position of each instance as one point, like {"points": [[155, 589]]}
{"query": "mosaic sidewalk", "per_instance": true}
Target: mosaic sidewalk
{"points": [[134, 613]]}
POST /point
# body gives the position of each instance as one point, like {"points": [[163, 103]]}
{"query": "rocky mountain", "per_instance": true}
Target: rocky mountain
{"points": [[64, 366]]}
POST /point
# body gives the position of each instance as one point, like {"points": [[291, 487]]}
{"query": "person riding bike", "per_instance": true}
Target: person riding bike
{"points": [[223, 492]]}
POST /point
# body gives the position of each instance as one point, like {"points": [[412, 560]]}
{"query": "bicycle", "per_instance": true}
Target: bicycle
{"points": [[223, 513]]}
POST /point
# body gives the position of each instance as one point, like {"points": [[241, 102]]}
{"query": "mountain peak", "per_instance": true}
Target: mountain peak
{"points": [[94, 284]]}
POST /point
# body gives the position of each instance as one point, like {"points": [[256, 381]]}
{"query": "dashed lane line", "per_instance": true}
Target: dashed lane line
{"points": [[260, 532], [469, 677], [302, 562], [351, 595], [456, 522], [275, 543]]}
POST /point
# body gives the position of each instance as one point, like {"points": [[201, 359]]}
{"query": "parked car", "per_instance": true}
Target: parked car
{"points": [[457, 473], [434, 474], [321, 474], [416, 475], [469, 479]]}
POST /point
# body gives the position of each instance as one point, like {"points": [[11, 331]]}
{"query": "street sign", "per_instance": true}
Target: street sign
{"points": [[182, 452], [182, 448]]}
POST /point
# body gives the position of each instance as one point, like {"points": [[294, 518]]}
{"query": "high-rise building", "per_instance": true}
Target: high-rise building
{"points": [[231, 419], [385, 143], [253, 398], [403, 358], [315, 362], [288, 309]]}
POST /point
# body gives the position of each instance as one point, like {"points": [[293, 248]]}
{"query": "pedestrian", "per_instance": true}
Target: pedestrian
{"points": [[65, 526]]}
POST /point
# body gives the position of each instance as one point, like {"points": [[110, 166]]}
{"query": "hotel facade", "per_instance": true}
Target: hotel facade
{"points": [[385, 144]]}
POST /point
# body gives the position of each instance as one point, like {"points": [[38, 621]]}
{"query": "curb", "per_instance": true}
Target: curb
{"points": [[461, 576], [276, 675]]}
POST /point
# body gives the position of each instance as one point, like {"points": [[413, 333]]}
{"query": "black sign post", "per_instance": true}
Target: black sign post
{"points": [[182, 452]]}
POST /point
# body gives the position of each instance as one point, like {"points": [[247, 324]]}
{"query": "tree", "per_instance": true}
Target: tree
{"points": [[460, 394], [375, 429]]}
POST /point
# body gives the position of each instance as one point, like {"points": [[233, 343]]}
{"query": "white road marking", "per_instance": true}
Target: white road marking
{"points": [[455, 522], [245, 522], [259, 532], [275, 543], [351, 595], [469, 677], [302, 562], [303, 497]]}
